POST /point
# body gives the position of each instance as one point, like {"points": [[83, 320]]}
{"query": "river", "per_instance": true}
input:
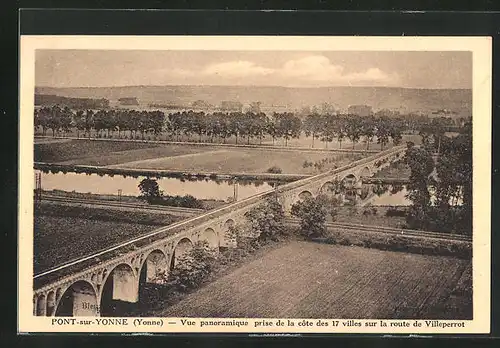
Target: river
{"points": [[201, 188], [107, 185]]}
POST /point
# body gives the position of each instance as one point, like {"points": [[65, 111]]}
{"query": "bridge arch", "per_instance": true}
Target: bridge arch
{"points": [[329, 189], [211, 237], [79, 299], [119, 288], [365, 172], [183, 246], [154, 264], [349, 176], [51, 303], [304, 195], [41, 308]]}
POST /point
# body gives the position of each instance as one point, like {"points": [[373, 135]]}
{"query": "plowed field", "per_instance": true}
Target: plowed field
{"points": [[309, 280]]}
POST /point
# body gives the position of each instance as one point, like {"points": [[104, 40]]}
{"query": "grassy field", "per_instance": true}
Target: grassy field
{"points": [[62, 233], [101, 153], [242, 161], [309, 280], [185, 157]]}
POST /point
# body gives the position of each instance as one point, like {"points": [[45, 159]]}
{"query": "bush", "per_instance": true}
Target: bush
{"points": [[274, 170], [186, 201], [267, 220], [402, 244], [193, 267], [395, 212], [312, 213]]}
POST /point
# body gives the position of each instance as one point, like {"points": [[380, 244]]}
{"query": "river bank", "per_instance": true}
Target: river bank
{"points": [[132, 172]]}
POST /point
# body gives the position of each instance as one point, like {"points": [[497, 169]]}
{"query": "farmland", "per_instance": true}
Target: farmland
{"points": [[62, 233], [308, 280], [101, 153], [248, 161], [185, 157]]}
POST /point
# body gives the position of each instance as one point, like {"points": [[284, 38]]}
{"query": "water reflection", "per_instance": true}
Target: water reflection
{"points": [[373, 194], [199, 187], [213, 187]]}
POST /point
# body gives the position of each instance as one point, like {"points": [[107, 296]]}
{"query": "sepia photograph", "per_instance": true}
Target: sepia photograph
{"points": [[217, 182]]}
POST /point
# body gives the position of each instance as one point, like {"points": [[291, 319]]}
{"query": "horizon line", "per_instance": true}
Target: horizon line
{"points": [[260, 86]]}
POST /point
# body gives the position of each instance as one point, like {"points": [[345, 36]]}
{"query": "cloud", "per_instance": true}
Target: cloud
{"points": [[313, 70], [237, 69], [320, 69]]}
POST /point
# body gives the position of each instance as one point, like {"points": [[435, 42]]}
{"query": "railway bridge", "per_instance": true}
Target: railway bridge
{"points": [[92, 285]]}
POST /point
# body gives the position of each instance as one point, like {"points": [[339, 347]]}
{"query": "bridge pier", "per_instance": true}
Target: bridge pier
{"points": [[124, 286]]}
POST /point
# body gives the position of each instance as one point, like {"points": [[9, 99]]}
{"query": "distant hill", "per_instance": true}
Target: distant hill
{"points": [[284, 98]]}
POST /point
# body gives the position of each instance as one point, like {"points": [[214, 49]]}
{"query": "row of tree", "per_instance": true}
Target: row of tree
{"points": [[103, 122], [340, 127], [219, 126]]}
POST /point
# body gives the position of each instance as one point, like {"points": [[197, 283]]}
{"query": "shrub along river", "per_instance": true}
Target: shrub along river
{"points": [[201, 188]]}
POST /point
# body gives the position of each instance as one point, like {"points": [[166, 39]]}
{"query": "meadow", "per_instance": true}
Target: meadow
{"points": [[190, 158], [63, 233], [310, 280]]}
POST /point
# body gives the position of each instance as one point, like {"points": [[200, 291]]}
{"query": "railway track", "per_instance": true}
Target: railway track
{"points": [[115, 204], [390, 231]]}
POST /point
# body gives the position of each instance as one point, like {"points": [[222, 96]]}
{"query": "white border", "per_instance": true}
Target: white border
{"points": [[482, 67]]}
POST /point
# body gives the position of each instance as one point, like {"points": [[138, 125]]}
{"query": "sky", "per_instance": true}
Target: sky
{"points": [[106, 68]]}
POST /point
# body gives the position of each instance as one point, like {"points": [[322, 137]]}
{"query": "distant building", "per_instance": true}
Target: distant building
{"points": [[201, 104], [443, 113], [360, 110], [128, 101], [231, 106]]}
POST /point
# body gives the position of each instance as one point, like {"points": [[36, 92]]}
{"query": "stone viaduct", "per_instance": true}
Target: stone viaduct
{"points": [[92, 285]]}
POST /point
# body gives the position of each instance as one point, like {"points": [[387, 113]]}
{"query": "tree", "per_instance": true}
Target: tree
{"points": [[272, 128], [421, 165], [368, 130], [199, 124], [260, 125], [395, 133], [54, 119], [89, 121], [150, 190], [289, 125], [340, 128], [382, 132], [42, 119], [267, 220], [79, 122], [438, 129], [313, 212], [328, 124], [453, 188], [313, 126], [354, 129], [192, 268]]}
